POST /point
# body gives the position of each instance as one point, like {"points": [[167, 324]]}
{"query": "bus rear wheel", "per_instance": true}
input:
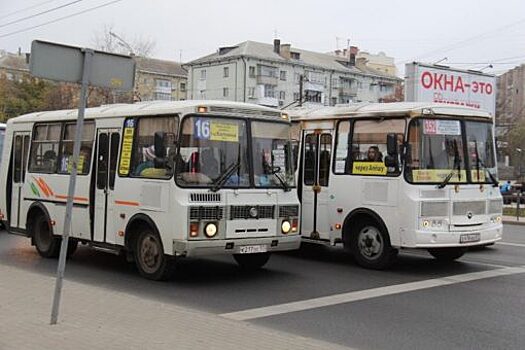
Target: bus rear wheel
{"points": [[47, 244], [447, 254], [150, 259], [370, 246], [252, 261]]}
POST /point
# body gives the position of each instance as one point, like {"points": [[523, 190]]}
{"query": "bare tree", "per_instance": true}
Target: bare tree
{"points": [[109, 40]]}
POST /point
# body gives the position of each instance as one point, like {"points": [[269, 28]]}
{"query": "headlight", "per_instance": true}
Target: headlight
{"points": [[210, 230], [495, 219], [286, 226], [433, 224]]}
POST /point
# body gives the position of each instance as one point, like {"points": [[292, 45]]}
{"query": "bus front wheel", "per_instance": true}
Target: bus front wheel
{"points": [[47, 244], [151, 261], [447, 254], [370, 246], [251, 261]]}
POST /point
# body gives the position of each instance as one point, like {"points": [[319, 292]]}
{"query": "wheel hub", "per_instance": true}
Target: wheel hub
{"points": [[370, 243]]}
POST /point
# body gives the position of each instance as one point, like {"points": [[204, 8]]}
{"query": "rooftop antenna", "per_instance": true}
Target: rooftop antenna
{"points": [[441, 60]]}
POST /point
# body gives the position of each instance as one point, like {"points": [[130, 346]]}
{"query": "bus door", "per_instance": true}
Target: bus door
{"points": [[106, 168], [18, 174], [317, 154]]}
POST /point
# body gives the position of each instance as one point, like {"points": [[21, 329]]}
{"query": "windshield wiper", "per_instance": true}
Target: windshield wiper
{"points": [[286, 188], [457, 163], [485, 169], [221, 179]]}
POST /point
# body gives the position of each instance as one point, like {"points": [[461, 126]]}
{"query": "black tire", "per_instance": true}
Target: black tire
{"points": [[370, 245], [149, 255], [447, 254], [252, 261], [47, 244], [72, 246]]}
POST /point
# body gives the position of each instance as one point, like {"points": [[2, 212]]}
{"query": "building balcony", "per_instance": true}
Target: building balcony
{"points": [[265, 79], [348, 91]]}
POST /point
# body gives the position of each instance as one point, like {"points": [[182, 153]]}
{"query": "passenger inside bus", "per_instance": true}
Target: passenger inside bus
{"points": [[147, 167], [374, 155]]}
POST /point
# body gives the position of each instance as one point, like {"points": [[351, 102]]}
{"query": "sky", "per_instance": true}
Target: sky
{"points": [[470, 33]]}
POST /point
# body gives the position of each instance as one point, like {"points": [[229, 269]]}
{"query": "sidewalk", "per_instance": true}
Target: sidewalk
{"points": [[513, 221], [97, 318]]}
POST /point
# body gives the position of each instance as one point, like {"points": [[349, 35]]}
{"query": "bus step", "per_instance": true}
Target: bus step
{"points": [[105, 249]]}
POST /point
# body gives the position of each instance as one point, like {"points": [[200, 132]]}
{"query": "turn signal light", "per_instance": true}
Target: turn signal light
{"points": [[295, 225], [338, 226], [194, 229], [202, 109]]}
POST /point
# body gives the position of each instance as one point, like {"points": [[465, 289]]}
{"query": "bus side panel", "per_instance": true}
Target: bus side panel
{"points": [[4, 169]]}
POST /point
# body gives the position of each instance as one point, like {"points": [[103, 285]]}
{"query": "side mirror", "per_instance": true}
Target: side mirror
{"points": [[160, 144], [391, 144]]}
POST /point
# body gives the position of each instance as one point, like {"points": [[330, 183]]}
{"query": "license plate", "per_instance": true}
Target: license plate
{"points": [[252, 249], [469, 238]]}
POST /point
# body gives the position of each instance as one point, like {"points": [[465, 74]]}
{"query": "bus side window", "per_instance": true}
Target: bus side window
{"points": [[144, 153], [44, 148], [310, 158]]}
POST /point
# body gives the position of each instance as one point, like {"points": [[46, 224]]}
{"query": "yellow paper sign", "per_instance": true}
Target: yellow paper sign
{"points": [[80, 165], [438, 175], [474, 175], [224, 132], [369, 168], [125, 154]]}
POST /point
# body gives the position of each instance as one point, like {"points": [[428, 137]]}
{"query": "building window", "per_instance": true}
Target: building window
{"points": [[267, 71], [252, 72], [297, 77], [296, 96], [251, 92], [225, 92], [182, 87], [203, 74], [269, 90], [313, 96], [226, 72], [162, 83], [282, 95], [162, 96], [283, 75]]}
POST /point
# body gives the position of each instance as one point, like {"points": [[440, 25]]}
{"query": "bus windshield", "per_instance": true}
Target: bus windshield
{"points": [[209, 148], [436, 151]]}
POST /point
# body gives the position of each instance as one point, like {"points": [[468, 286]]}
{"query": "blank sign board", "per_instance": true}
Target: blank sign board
{"points": [[64, 63]]}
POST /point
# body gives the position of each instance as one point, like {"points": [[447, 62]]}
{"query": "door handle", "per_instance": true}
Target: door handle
{"points": [[316, 188]]}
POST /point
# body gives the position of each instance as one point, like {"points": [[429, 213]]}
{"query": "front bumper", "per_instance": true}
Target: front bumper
{"points": [[232, 246], [440, 239]]}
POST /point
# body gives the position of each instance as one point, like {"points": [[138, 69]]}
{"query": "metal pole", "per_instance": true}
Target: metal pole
{"points": [[518, 200], [86, 72]]}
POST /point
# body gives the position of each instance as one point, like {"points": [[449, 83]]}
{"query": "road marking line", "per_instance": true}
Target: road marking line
{"points": [[344, 298], [512, 244]]}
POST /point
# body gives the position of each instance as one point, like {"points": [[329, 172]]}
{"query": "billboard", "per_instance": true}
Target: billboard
{"points": [[441, 84]]}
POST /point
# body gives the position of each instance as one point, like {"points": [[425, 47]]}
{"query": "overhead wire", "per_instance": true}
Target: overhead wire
{"points": [[40, 13], [26, 8], [60, 18]]}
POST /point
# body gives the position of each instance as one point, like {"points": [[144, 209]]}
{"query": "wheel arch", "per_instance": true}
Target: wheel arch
{"points": [[133, 227], [35, 208], [358, 215]]}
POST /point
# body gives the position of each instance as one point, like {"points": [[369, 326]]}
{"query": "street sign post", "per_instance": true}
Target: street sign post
{"points": [[88, 67]]}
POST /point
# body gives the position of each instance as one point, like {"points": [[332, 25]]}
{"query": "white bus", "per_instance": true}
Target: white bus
{"points": [[380, 177], [156, 180]]}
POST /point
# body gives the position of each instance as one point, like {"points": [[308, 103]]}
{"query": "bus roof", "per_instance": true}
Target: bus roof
{"points": [[155, 108], [386, 109]]}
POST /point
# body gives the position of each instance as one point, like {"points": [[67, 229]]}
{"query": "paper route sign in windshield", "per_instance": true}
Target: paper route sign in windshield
{"points": [[214, 130]]}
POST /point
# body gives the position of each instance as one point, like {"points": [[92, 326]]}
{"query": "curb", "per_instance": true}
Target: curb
{"points": [[512, 222]]}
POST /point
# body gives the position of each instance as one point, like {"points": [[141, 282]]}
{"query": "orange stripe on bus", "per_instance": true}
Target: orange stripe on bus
{"points": [[47, 186], [42, 187], [82, 199], [133, 204]]}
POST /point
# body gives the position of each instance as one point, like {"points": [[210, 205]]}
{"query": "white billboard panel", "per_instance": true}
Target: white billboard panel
{"points": [[431, 83]]}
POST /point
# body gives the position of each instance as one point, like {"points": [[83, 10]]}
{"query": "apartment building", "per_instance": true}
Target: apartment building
{"points": [[273, 75], [510, 99]]}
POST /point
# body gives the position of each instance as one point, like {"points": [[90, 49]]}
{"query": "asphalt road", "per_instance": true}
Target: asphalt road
{"points": [[320, 292]]}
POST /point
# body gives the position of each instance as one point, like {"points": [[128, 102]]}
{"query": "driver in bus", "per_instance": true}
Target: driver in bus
{"points": [[374, 155]]}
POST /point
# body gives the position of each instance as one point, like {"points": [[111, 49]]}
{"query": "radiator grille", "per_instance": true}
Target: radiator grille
{"points": [[434, 209], [495, 206], [206, 213], [476, 208], [205, 197], [286, 211], [243, 212]]}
